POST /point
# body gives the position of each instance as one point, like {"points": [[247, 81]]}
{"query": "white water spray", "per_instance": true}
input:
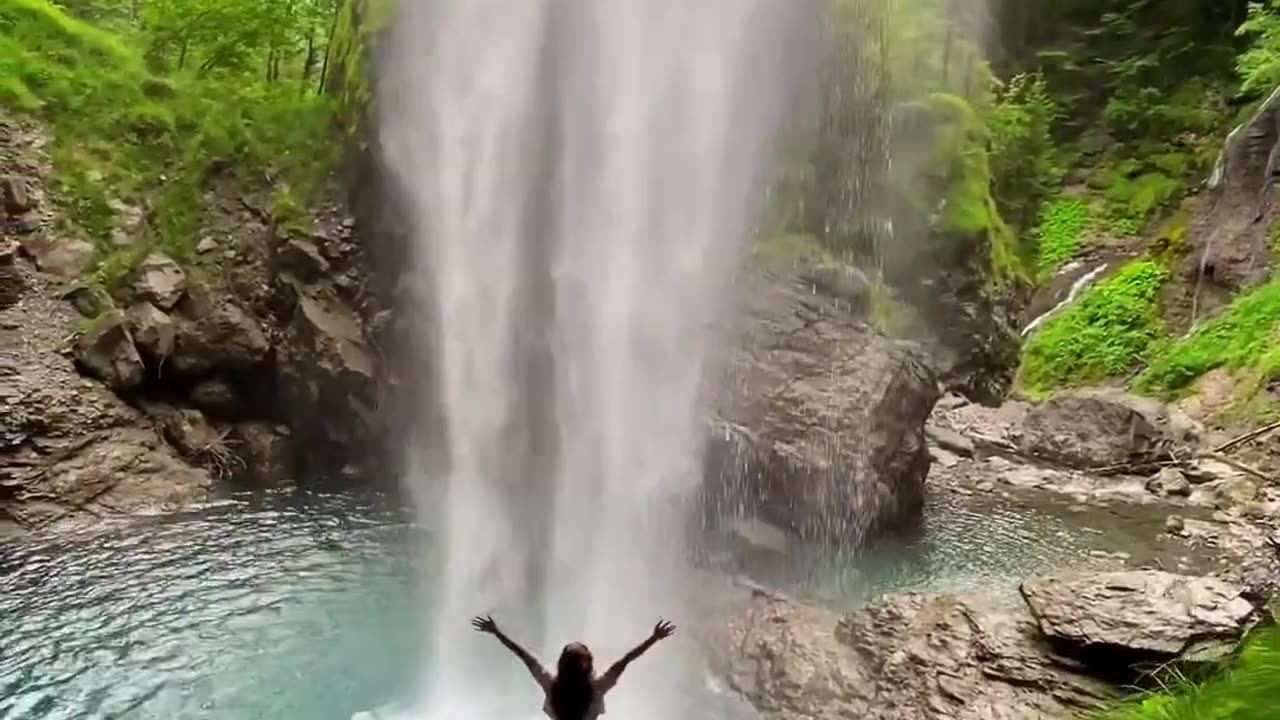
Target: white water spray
{"points": [[582, 175]]}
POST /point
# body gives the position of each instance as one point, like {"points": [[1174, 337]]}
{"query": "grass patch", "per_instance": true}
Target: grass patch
{"points": [[1103, 334], [1247, 690], [1060, 233], [123, 133], [1245, 336]]}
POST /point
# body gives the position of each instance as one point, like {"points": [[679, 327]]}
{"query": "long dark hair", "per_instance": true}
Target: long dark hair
{"points": [[572, 691]]}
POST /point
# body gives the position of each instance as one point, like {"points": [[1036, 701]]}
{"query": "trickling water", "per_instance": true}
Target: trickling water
{"points": [[582, 175], [1079, 286]]}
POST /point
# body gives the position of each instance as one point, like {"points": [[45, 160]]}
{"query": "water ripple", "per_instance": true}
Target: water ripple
{"points": [[278, 607]]}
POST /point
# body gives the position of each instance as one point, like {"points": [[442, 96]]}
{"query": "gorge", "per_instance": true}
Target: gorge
{"points": [[909, 378]]}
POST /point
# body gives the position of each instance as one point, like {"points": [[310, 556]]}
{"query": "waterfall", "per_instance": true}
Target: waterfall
{"points": [[581, 175]]}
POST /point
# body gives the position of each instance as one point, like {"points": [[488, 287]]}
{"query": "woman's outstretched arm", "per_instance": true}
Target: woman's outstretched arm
{"points": [[661, 631], [487, 625]]}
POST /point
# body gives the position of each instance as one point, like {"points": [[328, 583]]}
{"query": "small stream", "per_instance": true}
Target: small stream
{"points": [[302, 607]]}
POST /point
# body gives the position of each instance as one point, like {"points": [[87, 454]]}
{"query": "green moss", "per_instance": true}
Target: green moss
{"points": [[1104, 334], [1060, 232], [887, 314], [1245, 336], [1246, 689], [123, 133], [970, 209], [787, 250]]}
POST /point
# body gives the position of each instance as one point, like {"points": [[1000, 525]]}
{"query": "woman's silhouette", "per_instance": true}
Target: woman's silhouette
{"points": [[574, 693]]}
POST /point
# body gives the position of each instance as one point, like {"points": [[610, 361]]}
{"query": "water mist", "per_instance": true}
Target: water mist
{"points": [[582, 176]]}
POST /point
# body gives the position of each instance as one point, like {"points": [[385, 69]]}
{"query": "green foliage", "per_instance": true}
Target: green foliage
{"points": [[1060, 232], [1245, 335], [123, 133], [1246, 690], [1259, 65], [1103, 334], [1024, 168]]}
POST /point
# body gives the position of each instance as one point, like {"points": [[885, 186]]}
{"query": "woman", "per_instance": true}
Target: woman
{"points": [[575, 693]]}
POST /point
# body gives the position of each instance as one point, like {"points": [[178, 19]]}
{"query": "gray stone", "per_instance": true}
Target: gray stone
{"points": [[266, 453], [217, 397], [222, 337], [105, 351], [842, 282], [207, 245], [160, 281], [1170, 482], [1234, 492], [15, 194], [89, 300], [821, 429], [191, 434], [1100, 427], [154, 332], [65, 258], [1142, 613], [302, 259], [27, 223], [917, 657], [950, 440]]}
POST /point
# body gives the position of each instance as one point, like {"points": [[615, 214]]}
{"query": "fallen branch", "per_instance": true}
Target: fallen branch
{"points": [[1242, 439], [1239, 466]]}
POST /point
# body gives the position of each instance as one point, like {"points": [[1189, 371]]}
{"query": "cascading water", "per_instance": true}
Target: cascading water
{"points": [[582, 175]]}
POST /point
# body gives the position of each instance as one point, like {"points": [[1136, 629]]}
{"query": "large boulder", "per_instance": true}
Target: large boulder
{"points": [[68, 445], [1100, 427], [159, 280], [903, 657], [821, 429], [1142, 614], [154, 332], [106, 352], [325, 375], [216, 335], [266, 454]]}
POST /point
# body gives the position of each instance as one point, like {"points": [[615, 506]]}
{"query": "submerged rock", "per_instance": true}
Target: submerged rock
{"points": [[106, 352], [1146, 614], [266, 453], [1101, 427], [822, 429]]}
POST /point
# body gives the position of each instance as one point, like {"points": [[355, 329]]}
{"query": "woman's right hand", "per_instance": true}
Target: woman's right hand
{"points": [[484, 624], [663, 630]]}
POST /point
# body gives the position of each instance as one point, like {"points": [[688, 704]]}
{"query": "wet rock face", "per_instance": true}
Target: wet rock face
{"points": [[975, 322], [1138, 614], [822, 429], [267, 454], [1103, 427]]}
